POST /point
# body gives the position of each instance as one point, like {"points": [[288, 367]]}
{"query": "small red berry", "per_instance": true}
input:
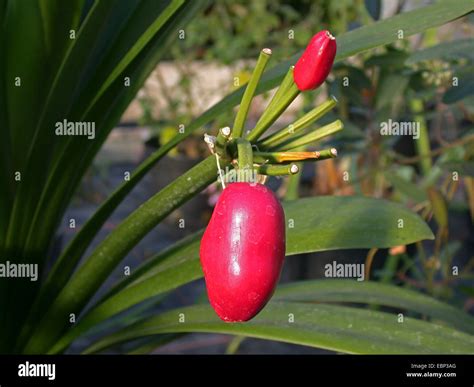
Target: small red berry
{"points": [[242, 251], [315, 64]]}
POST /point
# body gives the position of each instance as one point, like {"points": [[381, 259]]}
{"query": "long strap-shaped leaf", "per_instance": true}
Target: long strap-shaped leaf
{"points": [[23, 87], [6, 173], [329, 230], [332, 225], [78, 290], [106, 112], [320, 291], [98, 27], [6, 165], [34, 64], [336, 328], [75, 148], [370, 292]]}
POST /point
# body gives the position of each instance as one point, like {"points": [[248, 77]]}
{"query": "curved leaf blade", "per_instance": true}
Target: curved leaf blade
{"points": [[367, 229], [348, 222], [336, 328], [105, 113], [456, 49], [386, 31], [370, 292], [109, 253]]}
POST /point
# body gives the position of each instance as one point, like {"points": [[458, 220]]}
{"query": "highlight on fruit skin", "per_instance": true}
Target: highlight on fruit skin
{"points": [[242, 250], [314, 65]]}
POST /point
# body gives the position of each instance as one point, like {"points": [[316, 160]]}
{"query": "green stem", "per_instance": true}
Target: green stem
{"points": [[279, 103], [245, 160], [221, 142], [310, 137], [293, 181], [234, 345], [326, 154], [277, 170], [302, 123], [293, 184], [250, 92], [423, 143], [281, 91], [91, 275]]}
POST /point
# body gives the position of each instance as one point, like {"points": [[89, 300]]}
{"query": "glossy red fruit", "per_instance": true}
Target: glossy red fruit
{"points": [[242, 250], [315, 64]]}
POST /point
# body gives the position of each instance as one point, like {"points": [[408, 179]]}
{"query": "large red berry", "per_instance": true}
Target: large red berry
{"points": [[315, 64], [242, 250]]}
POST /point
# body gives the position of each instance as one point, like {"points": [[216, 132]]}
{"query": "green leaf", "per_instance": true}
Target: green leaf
{"points": [[180, 252], [174, 267], [69, 170], [59, 18], [386, 31], [392, 59], [23, 87], [110, 252], [92, 38], [27, 69], [6, 167], [465, 86], [369, 292], [406, 187], [439, 206], [348, 222], [390, 87], [75, 153], [373, 223], [456, 49], [147, 20], [336, 328]]}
